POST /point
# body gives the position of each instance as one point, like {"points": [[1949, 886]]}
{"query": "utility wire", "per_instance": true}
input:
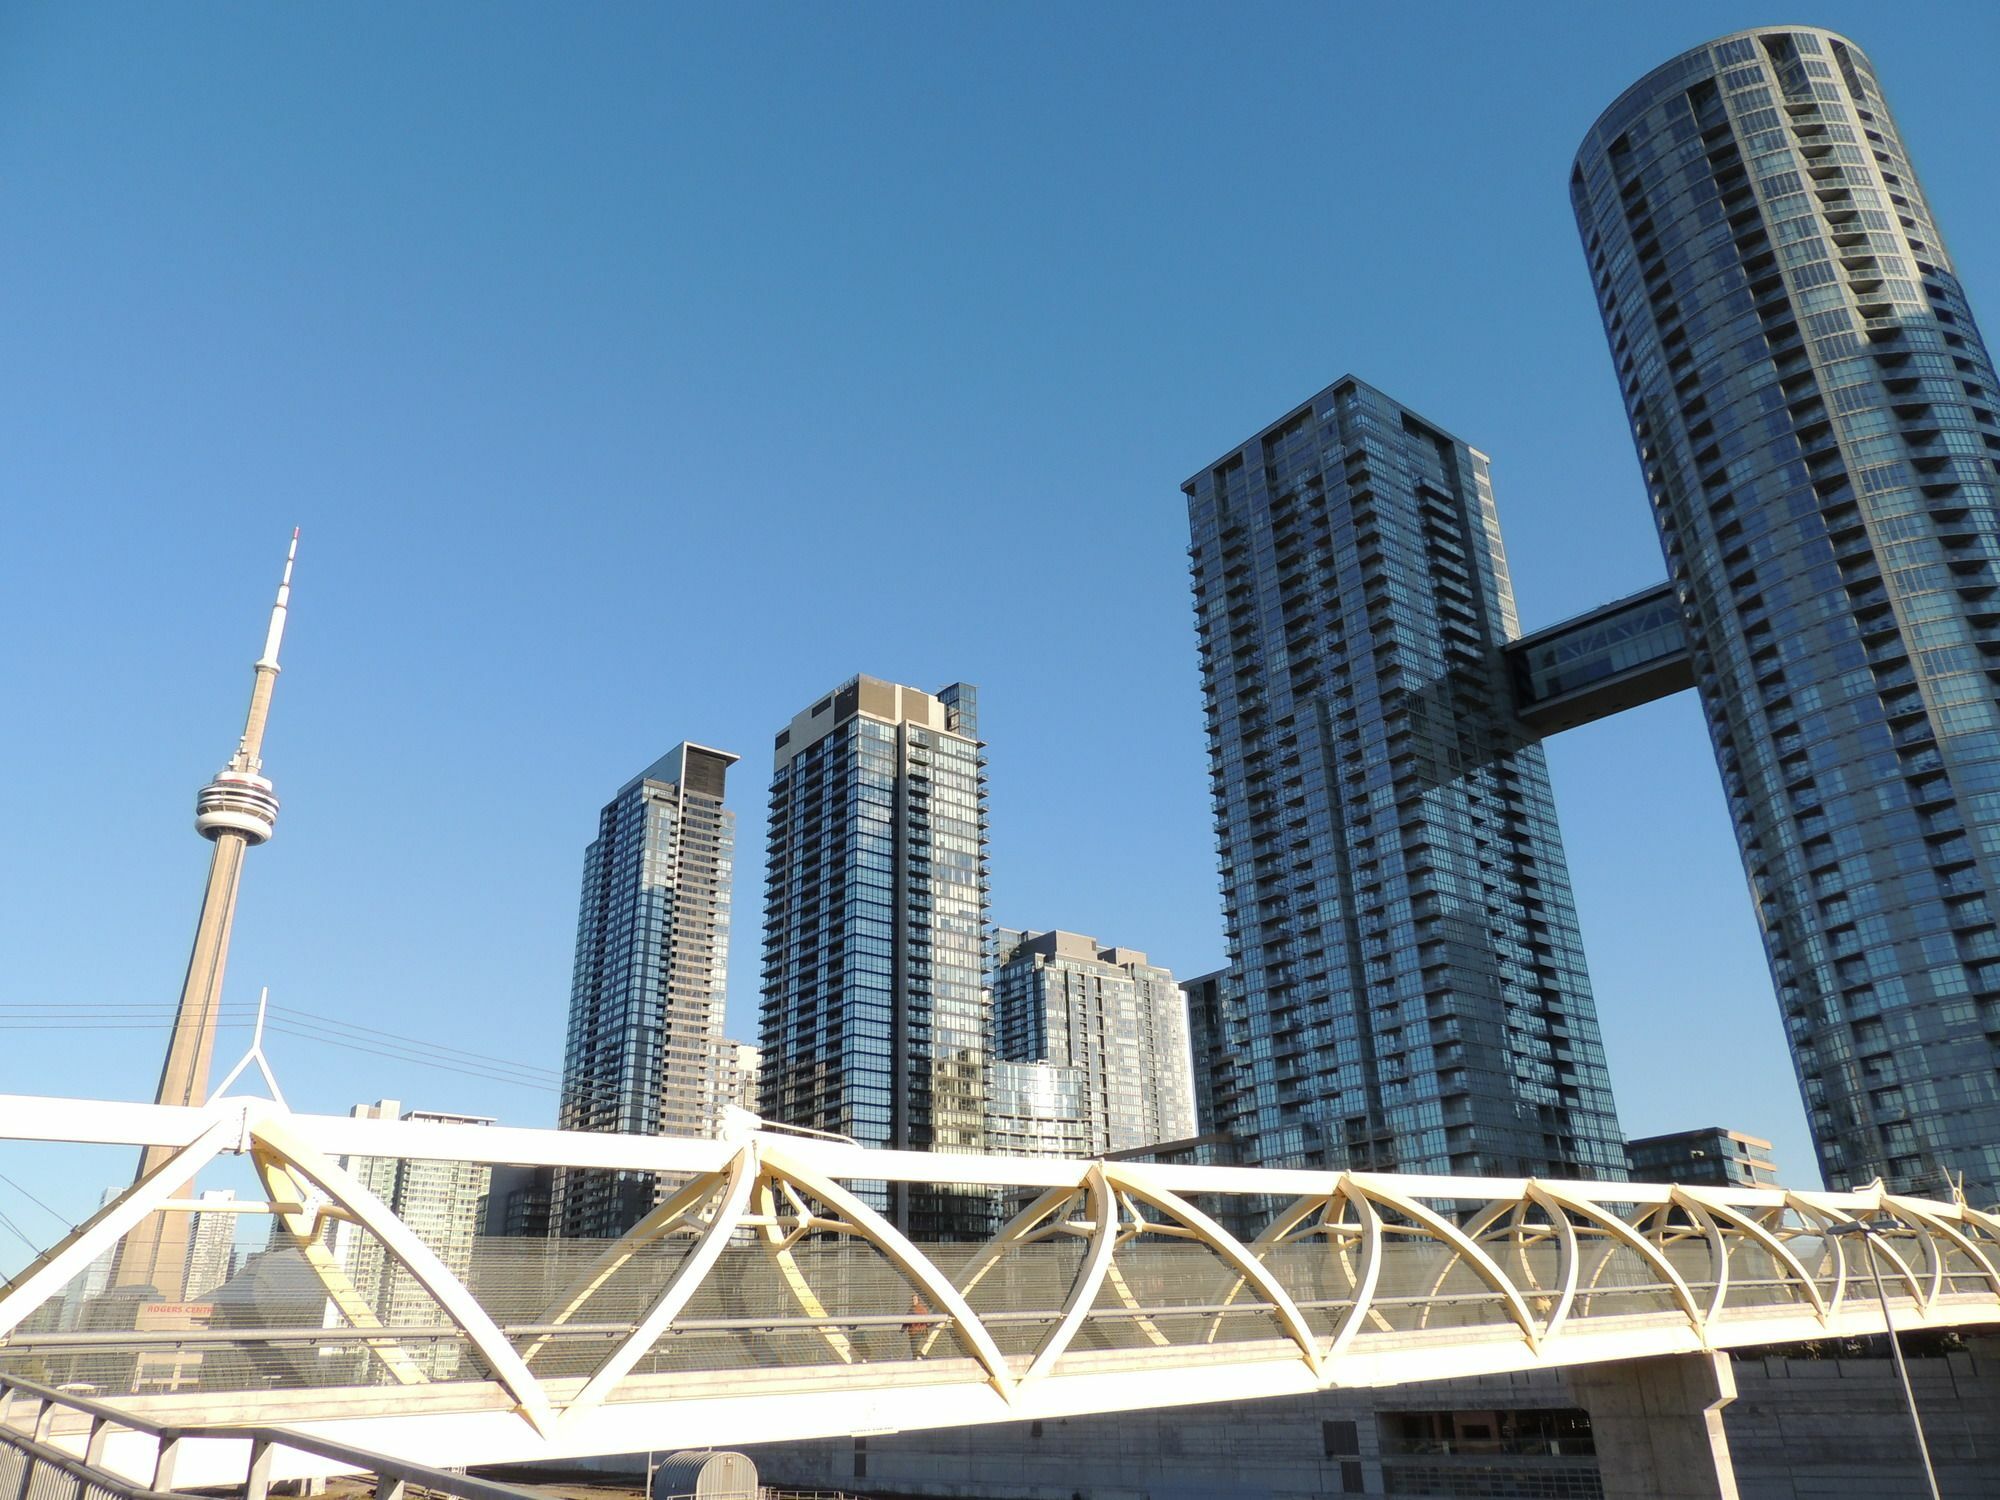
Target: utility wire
{"points": [[375, 1031], [279, 1028], [59, 1218], [101, 1017], [306, 1026], [20, 1235]]}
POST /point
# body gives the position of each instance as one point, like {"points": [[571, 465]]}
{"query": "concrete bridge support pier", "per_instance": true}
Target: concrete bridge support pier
{"points": [[1658, 1425]]}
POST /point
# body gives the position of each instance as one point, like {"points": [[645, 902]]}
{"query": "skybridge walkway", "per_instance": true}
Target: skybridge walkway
{"points": [[765, 1299]]}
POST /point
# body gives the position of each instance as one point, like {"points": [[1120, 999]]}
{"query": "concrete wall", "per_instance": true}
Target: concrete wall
{"points": [[1258, 1450], [1798, 1430], [1657, 1426], [1803, 1429]]}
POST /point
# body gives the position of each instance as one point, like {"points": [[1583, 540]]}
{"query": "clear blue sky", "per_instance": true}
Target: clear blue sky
{"points": [[638, 372]]}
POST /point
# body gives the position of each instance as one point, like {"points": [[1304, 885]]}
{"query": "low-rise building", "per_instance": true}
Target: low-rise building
{"points": [[1713, 1155]]}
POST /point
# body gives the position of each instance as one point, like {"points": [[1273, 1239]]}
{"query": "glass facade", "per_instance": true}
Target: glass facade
{"points": [[1714, 1155], [1117, 1021], [211, 1246], [644, 1055], [875, 1020], [1815, 415], [442, 1202], [1035, 1109], [1406, 988], [1208, 1042]]}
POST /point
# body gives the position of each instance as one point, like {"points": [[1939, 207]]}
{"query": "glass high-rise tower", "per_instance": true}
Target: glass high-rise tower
{"points": [[1406, 988], [1818, 423], [442, 1203], [1118, 1021], [645, 1048], [875, 1021]]}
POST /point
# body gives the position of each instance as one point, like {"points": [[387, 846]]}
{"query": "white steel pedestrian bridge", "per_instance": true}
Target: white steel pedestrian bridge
{"points": [[766, 1300]]}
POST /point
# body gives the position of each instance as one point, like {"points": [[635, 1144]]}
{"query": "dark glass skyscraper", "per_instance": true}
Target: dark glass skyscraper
{"points": [[1406, 988], [644, 1054], [875, 1021], [1815, 415]]}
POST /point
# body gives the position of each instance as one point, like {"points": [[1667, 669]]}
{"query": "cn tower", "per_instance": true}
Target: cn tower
{"points": [[236, 811]]}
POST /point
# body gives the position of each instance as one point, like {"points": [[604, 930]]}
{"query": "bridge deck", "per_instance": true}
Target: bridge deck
{"points": [[766, 1299]]}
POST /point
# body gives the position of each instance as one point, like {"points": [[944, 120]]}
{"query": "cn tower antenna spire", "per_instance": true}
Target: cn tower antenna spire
{"points": [[238, 810], [249, 749]]}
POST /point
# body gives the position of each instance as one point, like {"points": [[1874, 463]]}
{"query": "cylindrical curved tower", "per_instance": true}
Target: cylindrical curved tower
{"points": [[1815, 414]]}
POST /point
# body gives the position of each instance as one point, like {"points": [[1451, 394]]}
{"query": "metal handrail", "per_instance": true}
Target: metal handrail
{"points": [[392, 1475], [203, 1337], [36, 1452]]}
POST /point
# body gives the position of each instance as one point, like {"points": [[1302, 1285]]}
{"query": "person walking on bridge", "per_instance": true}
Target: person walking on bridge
{"points": [[918, 1328]]}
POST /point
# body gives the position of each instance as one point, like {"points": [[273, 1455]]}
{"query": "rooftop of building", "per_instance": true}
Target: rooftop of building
{"points": [[696, 768], [1652, 75], [1701, 1133], [1059, 944], [1306, 408], [946, 712], [392, 1109]]}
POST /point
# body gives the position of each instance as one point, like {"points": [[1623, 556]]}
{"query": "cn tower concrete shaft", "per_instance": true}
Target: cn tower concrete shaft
{"points": [[235, 811]]}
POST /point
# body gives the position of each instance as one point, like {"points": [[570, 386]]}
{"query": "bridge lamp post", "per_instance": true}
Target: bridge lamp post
{"points": [[1870, 1233]]}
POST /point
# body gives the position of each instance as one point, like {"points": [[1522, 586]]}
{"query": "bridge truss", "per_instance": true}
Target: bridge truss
{"points": [[765, 1298]]}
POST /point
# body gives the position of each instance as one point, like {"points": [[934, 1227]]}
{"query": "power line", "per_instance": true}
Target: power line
{"points": [[308, 1026], [43, 1016], [280, 1028], [19, 1234], [393, 1036], [60, 1219]]}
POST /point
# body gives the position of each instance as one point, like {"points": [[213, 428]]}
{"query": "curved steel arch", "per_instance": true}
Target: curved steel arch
{"points": [[1089, 1277], [1776, 1248], [780, 1161], [1443, 1229], [656, 1225], [740, 1178], [1625, 1234], [50, 1271], [782, 1190], [1226, 1245], [275, 1133]]}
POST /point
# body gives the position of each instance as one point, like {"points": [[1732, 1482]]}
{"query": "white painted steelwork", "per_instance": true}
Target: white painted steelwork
{"points": [[766, 1300]]}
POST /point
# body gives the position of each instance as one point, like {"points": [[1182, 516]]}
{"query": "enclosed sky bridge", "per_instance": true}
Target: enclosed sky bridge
{"points": [[1615, 657]]}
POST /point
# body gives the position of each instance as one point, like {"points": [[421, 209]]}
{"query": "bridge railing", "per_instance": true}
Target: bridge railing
{"points": [[769, 1261], [34, 1420], [33, 1470]]}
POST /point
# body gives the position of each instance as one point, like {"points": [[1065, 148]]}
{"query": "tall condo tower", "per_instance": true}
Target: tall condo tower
{"points": [[1817, 420], [1406, 989], [875, 1018], [1117, 1020], [645, 1050], [236, 811], [442, 1202], [211, 1245], [1208, 1042]]}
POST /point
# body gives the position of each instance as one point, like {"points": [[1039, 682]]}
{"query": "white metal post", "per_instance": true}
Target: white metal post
{"points": [[1868, 1232]]}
